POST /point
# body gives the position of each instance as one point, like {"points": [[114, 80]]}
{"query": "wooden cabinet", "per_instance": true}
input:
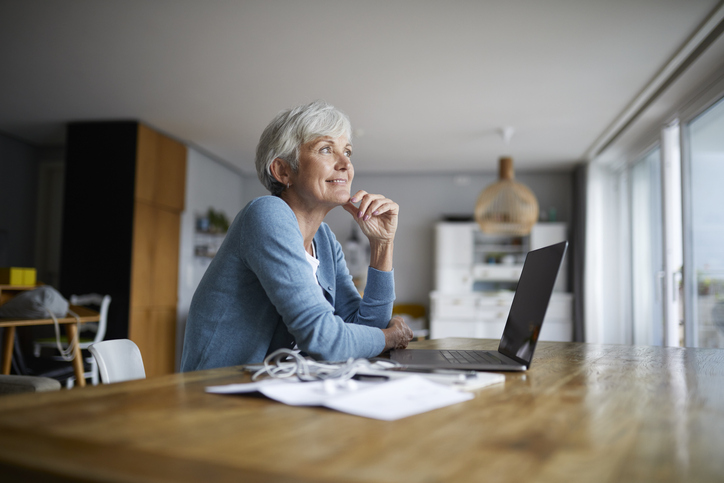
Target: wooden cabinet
{"points": [[124, 195]]}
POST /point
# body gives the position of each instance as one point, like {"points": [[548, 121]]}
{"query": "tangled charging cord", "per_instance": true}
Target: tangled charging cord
{"points": [[65, 353], [286, 363]]}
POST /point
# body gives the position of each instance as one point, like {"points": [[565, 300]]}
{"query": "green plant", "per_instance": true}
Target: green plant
{"points": [[218, 222]]}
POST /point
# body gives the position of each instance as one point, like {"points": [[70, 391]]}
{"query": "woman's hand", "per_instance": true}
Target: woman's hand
{"points": [[377, 217], [397, 334]]}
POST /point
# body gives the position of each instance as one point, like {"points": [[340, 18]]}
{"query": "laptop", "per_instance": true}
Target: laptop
{"points": [[522, 328]]}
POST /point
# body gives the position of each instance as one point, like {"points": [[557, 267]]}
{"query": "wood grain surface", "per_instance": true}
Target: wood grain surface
{"points": [[583, 412], [84, 315]]}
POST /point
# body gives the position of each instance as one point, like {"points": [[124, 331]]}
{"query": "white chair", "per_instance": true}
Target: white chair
{"points": [[102, 301], [118, 360]]}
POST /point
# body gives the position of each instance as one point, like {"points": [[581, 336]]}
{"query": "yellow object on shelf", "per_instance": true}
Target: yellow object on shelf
{"points": [[17, 276]]}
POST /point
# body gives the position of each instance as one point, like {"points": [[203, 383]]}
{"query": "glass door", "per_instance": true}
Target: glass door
{"points": [[703, 186], [673, 297], [647, 271]]}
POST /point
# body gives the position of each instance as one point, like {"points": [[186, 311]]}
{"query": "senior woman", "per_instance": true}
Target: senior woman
{"points": [[280, 277]]}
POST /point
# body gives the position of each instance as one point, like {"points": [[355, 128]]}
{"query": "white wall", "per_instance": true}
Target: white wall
{"points": [[208, 184], [423, 200]]}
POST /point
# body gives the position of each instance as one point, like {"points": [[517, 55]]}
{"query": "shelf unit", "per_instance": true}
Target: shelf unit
{"points": [[206, 244], [475, 279]]}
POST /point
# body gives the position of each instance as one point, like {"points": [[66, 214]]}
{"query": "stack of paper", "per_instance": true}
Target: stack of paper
{"points": [[395, 399]]}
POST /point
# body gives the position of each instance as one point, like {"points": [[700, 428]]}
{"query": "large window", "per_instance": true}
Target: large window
{"points": [[705, 229], [647, 250]]}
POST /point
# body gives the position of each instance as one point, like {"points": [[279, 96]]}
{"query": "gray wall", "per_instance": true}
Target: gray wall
{"points": [[209, 184], [18, 202], [424, 199]]}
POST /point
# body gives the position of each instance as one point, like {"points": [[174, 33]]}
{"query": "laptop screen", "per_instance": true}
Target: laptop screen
{"points": [[530, 302]]}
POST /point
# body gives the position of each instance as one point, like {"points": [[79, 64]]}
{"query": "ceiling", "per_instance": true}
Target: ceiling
{"points": [[428, 85]]}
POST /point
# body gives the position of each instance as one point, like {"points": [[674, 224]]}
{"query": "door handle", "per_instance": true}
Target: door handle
{"points": [[660, 276], [675, 280]]}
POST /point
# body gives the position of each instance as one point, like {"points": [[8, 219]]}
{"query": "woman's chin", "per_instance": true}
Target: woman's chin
{"points": [[342, 197]]}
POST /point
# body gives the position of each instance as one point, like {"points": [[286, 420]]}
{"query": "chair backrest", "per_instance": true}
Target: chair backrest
{"points": [[118, 360], [103, 301]]}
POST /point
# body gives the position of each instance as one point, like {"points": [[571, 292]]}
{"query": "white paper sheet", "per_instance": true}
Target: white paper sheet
{"points": [[241, 388], [398, 398], [316, 393], [461, 380]]}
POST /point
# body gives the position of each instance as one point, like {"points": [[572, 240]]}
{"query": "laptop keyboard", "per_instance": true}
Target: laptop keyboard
{"points": [[467, 357]]}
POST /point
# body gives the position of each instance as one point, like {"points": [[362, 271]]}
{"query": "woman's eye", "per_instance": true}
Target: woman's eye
{"points": [[348, 153], [326, 149]]}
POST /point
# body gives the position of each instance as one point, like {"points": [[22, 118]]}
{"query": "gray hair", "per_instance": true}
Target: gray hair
{"points": [[289, 130]]}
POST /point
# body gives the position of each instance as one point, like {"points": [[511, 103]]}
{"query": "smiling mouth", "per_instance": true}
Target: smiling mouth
{"points": [[337, 181]]}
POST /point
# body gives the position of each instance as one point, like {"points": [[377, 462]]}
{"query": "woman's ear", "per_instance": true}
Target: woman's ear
{"points": [[280, 170]]}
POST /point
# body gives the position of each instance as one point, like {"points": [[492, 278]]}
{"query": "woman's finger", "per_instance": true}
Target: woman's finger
{"points": [[378, 206], [358, 196], [384, 205], [366, 202], [350, 208]]}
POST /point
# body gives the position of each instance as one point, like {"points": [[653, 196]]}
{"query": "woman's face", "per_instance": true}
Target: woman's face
{"points": [[325, 171]]}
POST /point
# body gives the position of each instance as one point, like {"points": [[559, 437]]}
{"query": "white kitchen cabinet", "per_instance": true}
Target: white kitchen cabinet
{"points": [[455, 245], [464, 255], [484, 315], [475, 279], [544, 234], [505, 273]]}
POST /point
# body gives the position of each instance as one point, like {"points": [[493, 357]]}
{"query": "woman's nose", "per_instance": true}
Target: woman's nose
{"points": [[343, 162]]}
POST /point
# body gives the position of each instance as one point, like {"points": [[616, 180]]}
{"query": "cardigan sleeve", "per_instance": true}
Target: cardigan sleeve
{"points": [[374, 309], [273, 248]]}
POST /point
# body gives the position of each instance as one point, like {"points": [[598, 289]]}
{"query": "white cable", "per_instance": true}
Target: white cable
{"points": [[307, 370], [66, 354]]}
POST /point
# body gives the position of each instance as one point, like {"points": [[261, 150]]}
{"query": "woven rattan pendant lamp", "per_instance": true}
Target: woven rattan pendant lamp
{"points": [[506, 207]]}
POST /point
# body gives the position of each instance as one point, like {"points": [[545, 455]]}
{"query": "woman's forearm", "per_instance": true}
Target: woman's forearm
{"points": [[377, 217], [381, 255]]}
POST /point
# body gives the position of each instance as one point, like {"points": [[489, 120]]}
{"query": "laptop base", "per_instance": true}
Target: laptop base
{"points": [[455, 360]]}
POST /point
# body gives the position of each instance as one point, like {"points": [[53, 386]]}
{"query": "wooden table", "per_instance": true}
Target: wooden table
{"points": [[583, 412], [85, 315]]}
